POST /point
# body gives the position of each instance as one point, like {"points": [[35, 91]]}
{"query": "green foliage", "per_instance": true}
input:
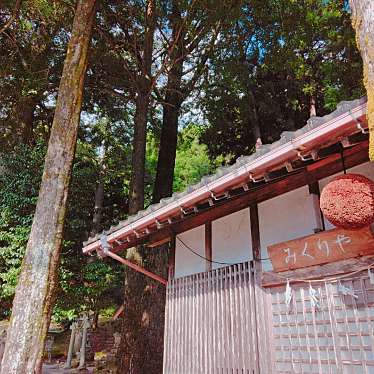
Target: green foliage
{"points": [[283, 53], [192, 161], [20, 174], [83, 284]]}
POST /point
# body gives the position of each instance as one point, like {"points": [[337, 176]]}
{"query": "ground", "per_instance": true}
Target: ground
{"points": [[58, 369]]}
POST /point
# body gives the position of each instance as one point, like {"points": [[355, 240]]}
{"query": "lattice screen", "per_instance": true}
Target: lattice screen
{"points": [[222, 322], [336, 338], [211, 323]]}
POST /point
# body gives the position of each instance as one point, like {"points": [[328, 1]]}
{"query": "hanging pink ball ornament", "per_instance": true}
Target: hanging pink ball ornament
{"points": [[348, 201]]}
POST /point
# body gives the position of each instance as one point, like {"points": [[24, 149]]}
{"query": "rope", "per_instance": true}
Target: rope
{"points": [[293, 280], [207, 259], [199, 255]]}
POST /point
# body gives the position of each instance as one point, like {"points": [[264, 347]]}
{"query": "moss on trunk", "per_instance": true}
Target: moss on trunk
{"points": [[34, 297]]}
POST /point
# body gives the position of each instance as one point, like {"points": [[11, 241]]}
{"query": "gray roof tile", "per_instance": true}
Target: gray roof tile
{"points": [[285, 137]]}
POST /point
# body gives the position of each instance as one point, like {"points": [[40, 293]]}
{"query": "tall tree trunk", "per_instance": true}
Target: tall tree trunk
{"points": [[138, 154], [141, 349], [141, 114], [173, 100], [32, 306], [137, 353], [363, 23], [24, 118], [168, 148]]}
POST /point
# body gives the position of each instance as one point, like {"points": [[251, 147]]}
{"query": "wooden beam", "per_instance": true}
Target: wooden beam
{"points": [[137, 268], [272, 279], [208, 246], [310, 174]]}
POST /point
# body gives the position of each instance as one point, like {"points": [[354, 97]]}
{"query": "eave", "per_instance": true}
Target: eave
{"points": [[305, 147]]}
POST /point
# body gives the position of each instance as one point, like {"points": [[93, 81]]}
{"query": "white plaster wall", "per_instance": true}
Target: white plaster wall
{"points": [[285, 217], [366, 169], [186, 262], [231, 238]]}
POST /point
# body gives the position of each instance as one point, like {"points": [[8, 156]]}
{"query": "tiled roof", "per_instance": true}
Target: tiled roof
{"points": [[286, 137]]}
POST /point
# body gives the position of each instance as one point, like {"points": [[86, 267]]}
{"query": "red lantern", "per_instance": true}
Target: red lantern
{"points": [[348, 201]]}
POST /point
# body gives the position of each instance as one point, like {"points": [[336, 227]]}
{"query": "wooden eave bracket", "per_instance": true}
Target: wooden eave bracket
{"points": [[105, 251], [137, 268]]}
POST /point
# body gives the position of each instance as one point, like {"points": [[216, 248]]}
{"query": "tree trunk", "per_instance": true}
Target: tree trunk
{"points": [[98, 210], [138, 154], [166, 155], [141, 349], [141, 114], [173, 100], [363, 23], [137, 352], [32, 306], [24, 117]]}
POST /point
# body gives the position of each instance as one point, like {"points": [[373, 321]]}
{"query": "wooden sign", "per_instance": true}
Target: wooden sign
{"points": [[321, 248]]}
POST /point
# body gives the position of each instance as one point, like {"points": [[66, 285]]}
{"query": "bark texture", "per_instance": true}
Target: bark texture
{"points": [[363, 23], [169, 132], [174, 98], [141, 349], [37, 282], [24, 118], [138, 154], [144, 84], [141, 346], [167, 152]]}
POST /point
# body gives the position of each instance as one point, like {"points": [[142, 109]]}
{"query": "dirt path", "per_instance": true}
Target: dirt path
{"points": [[57, 369]]}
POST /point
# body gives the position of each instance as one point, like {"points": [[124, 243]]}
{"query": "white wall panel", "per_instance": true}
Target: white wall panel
{"points": [[285, 217], [232, 241], [186, 262]]}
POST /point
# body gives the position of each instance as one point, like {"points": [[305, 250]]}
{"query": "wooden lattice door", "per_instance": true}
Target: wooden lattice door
{"points": [[337, 337], [211, 323]]}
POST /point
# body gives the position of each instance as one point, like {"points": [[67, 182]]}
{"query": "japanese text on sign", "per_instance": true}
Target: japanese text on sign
{"points": [[326, 246]]}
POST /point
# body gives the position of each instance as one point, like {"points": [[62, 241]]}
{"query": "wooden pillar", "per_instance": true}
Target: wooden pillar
{"points": [[318, 218], [171, 265], [208, 246], [255, 231], [256, 285]]}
